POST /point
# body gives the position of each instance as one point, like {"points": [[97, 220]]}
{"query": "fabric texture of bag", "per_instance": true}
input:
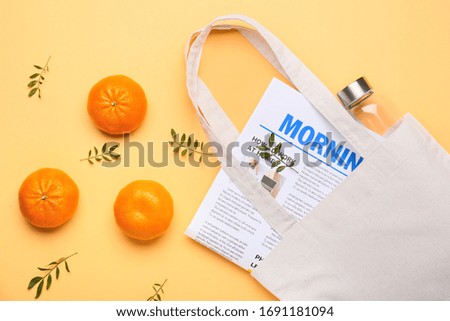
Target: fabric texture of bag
{"points": [[382, 234]]}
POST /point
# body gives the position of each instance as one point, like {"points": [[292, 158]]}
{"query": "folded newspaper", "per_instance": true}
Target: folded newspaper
{"points": [[296, 154]]}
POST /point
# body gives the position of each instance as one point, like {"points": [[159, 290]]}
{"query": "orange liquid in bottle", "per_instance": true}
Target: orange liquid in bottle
{"points": [[373, 116]]}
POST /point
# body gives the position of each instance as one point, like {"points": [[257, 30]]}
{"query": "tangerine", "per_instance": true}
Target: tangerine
{"points": [[143, 209], [48, 198], [117, 105]]}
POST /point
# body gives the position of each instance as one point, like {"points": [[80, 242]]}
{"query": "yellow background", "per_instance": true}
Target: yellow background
{"points": [[402, 47]]}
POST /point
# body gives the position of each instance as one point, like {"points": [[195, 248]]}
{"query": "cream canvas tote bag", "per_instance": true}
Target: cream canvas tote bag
{"points": [[382, 234]]}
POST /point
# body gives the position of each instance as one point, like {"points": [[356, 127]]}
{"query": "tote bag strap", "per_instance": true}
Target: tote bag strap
{"points": [[211, 112], [292, 68], [220, 129]]}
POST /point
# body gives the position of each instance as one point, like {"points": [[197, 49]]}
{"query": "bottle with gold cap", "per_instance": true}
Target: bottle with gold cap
{"points": [[358, 98]]}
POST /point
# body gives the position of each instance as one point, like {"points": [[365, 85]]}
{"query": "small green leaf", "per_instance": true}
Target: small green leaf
{"points": [[104, 148], [184, 152], [176, 149], [95, 151], [264, 155], [34, 281], [38, 67], [158, 297], [32, 92], [39, 289], [90, 153], [183, 138], [191, 153], [156, 284], [32, 83], [57, 272], [106, 158], [34, 76], [277, 148], [271, 139], [67, 266], [173, 133], [91, 162], [114, 155], [39, 92], [263, 148], [98, 158], [200, 159], [112, 148], [189, 141], [49, 281], [201, 146], [196, 144], [279, 169], [43, 269]]}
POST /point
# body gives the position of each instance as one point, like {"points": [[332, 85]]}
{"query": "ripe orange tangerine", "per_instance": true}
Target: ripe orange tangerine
{"points": [[117, 105], [143, 209], [48, 198]]}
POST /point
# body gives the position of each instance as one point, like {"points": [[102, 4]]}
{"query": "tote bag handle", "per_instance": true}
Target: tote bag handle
{"points": [[292, 68], [220, 129]]}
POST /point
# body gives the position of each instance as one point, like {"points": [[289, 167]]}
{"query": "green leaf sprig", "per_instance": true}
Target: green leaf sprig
{"points": [[157, 288], [107, 154], [40, 280], [188, 145], [272, 150], [37, 79]]}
